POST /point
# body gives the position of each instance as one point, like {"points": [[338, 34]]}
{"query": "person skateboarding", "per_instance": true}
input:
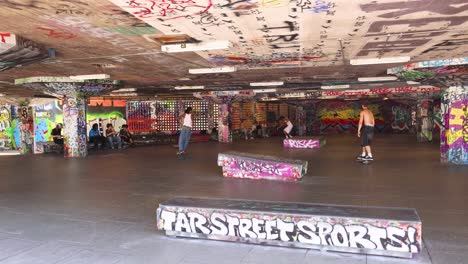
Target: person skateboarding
{"points": [[366, 133]]}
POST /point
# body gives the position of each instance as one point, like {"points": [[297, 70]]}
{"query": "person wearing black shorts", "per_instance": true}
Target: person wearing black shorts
{"points": [[366, 132]]}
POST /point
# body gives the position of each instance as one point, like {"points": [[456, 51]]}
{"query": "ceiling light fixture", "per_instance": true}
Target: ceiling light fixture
{"points": [[124, 94], [90, 77], [385, 98], [339, 86], [377, 79], [184, 47], [257, 91], [124, 90], [189, 87], [212, 70], [266, 83], [412, 82], [2, 94], [380, 60]]}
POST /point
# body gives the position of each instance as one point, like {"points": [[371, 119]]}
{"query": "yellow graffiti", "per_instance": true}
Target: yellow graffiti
{"points": [[458, 114], [452, 137], [274, 3]]}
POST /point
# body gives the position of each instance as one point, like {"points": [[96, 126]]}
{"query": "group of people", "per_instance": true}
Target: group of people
{"points": [[95, 136], [365, 132]]}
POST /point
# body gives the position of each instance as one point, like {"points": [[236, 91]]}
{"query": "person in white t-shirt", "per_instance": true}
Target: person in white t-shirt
{"points": [[186, 121]]}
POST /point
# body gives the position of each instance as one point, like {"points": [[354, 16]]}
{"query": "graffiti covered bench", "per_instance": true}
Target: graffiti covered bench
{"points": [[304, 142], [253, 166], [367, 230]]}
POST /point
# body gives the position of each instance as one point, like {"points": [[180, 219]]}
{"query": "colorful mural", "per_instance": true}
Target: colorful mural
{"points": [[425, 122]]}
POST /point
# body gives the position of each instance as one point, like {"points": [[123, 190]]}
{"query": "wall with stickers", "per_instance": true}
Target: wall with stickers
{"points": [[162, 116]]}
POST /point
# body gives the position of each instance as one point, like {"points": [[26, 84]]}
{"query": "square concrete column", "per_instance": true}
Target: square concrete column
{"points": [[25, 129], [424, 120], [454, 134], [224, 134], [74, 127]]}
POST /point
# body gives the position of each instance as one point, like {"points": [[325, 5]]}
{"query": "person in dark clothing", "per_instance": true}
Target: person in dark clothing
{"points": [[57, 134], [126, 135], [96, 137]]}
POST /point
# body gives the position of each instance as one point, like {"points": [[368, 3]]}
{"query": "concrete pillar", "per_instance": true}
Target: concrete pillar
{"points": [[424, 120], [224, 134], [454, 134], [25, 129], [74, 127]]}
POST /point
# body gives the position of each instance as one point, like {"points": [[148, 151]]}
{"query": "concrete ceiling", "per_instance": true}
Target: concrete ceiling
{"points": [[305, 43]]}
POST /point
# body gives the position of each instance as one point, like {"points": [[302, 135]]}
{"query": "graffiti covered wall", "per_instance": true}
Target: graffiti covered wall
{"points": [[337, 116], [454, 133], [103, 112]]}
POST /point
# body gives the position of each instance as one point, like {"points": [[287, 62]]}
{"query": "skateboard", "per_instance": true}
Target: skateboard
{"points": [[364, 161]]}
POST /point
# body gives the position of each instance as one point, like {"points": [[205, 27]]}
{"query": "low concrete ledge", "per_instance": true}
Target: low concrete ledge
{"points": [[368, 230], [253, 166], [304, 142]]}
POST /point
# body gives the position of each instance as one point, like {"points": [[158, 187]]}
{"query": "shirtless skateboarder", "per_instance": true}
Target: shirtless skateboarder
{"points": [[366, 132]]}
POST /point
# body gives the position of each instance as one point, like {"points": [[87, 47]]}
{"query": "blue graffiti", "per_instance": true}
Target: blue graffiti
{"points": [[40, 130]]}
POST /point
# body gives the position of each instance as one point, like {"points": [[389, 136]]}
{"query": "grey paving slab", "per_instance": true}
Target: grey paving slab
{"points": [[94, 257], [266, 254], [48, 253], [321, 257], [12, 246]]}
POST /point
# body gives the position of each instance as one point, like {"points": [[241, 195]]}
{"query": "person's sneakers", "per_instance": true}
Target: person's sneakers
{"points": [[361, 157], [367, 157], [180, 152]]}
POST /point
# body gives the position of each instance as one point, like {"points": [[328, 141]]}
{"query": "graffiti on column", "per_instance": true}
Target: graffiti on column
{"points": [[373, 234], [425, 123], [25, 129], [74, 130], [223, 124], [7, 126], [454, 136]]}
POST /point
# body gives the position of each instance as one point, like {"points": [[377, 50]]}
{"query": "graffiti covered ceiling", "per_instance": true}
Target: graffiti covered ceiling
{"points": [[305, 43]]}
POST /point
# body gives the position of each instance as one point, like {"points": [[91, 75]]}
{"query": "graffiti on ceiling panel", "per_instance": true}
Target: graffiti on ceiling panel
{"points": [[267, 33]]}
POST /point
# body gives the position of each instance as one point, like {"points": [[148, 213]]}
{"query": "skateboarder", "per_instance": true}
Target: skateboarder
{"points": [[366, 133], [288, 126], [186, 121]]}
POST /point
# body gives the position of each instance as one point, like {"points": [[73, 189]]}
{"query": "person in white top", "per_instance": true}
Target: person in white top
{"points": [[288, 126], [186, 121]]}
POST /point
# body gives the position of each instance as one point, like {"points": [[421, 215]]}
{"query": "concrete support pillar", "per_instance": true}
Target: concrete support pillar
{"points": [[25, 129], [224, 133], [424, 120], [454, 134], [74, 129]]}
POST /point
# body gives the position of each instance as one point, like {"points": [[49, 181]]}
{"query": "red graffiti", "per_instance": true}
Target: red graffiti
{"points": [[3, 35], [57, 34], [169, 9]]}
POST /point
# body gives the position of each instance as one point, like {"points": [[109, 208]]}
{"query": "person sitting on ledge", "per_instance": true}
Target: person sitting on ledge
{"points": [[126, 136], [112, 136], [57, 134], [96, 137]]}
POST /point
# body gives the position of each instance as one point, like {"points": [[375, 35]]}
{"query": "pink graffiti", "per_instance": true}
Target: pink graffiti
{"points": [[3, 36], [381, 91], [301, 143], [57, 34], [169, 9]]}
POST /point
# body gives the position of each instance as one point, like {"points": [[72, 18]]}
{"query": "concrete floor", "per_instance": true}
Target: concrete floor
{"points": [[101, 209]]}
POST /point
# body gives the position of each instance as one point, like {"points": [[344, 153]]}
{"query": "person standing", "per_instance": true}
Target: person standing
{"points": [[56, 134], [186, 121], [366, 132]]}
